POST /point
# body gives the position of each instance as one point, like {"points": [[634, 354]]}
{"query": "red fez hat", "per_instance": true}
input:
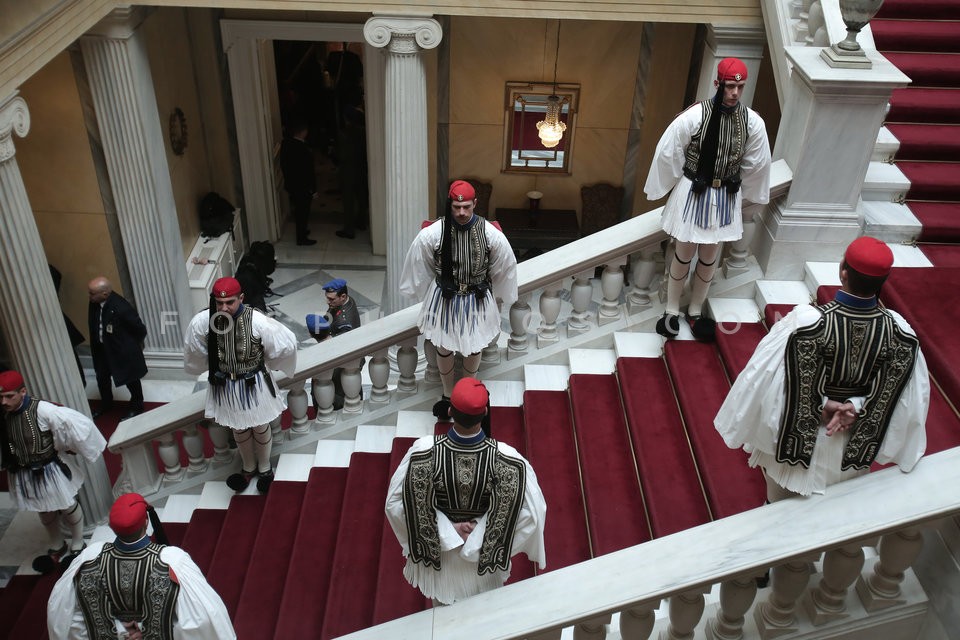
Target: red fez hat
{"points": [[128, 514], [10, 381], [869, 256], [226, 288], [731, 69], [461, 190], [470, 397]]}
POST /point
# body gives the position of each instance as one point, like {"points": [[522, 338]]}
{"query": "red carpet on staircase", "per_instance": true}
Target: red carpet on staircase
{"points": [[922, 39]]}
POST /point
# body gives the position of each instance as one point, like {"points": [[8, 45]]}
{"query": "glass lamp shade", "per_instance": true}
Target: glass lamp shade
{"points": [[550, 128]]}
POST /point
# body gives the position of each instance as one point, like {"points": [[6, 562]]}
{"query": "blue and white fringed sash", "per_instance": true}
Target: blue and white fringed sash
{"points": [[241, 394], [700, 206]]}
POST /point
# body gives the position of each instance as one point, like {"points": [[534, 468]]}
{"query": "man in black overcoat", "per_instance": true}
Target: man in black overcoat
{"points": [[116, 339]]}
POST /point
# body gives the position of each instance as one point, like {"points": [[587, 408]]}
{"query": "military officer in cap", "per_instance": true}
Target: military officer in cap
{"points": [[462, 504], [342, 316], [711, 157], [135, 587], [39, 442], [234, 344], [459, 266], [832, 388]]}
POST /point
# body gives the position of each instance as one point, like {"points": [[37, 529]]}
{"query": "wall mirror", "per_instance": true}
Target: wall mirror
{"points": [[532, 149]]}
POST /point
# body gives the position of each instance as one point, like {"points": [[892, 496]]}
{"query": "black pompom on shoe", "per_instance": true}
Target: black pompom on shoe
{"points": [[264, 481], [704, 329], [441, 410], [49, 562], [668, 326], [240, 481]]}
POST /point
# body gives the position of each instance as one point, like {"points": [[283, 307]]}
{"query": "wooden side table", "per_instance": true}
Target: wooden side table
{"points": [[540, 230]]}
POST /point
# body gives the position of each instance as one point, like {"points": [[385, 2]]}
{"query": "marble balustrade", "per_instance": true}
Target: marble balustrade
{"points": [[840, 592]]}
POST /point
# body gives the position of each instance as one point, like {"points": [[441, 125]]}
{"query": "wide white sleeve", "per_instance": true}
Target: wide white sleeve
{"points": [[503, 266], [906, 438], [71, 430], [751, 412], [418, 265], [755, 165], [64, 618], [279, 343], [394, 504], [668, 160], [528, 535], [195, 344], [200, 610]]}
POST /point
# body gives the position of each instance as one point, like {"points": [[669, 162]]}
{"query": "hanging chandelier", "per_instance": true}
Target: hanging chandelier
{"points": [[550, 129]]}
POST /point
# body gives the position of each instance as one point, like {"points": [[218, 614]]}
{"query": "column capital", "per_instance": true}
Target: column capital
{"points": [[403, 34], [14, 118], [121, 23]]}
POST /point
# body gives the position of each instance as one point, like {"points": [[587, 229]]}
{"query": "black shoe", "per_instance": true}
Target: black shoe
{"points": [[668, 326], [48, 562], [306, 242], [70, 557], [263, 482], [240, 481], [346, 233], [442, 408], [101, 411], [133, 413], [704, 329]]}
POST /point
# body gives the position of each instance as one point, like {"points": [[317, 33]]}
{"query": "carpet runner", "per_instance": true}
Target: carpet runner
{"points": [[922, 39]]}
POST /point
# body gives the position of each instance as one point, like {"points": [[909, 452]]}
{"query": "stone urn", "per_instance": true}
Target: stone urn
{"points": [[856, 14]]}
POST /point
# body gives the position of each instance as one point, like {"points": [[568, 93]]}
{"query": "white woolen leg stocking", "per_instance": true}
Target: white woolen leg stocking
{"points": [[248, 458], [263, 439], [679, 270], [445, 364], [702, 277], [471, 364], [73, 518], [51, 522]]}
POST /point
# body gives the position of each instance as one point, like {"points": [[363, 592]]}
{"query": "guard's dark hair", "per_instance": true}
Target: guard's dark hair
{"points": [[862, 285]]}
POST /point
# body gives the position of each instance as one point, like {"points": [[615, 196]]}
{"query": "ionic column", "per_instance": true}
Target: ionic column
{"points": [[405, 132], [30, 315], [121, 85]]}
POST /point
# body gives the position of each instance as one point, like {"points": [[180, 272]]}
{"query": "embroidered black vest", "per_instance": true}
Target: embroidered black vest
{"points": [[26, 442], [733, 139], [471, 254], [239, 351], [463, 482], [848, 352], [127, 586]]}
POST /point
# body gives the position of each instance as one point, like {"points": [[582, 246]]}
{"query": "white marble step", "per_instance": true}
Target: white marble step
{"points": [[905, 255], [818, 274], [294, 467], [334, 453], [884, 183], [890, 222], [637, 344], [781, 292], [372, 438], [887, 146], [179, 507], [602, 361], [733, 310], [505, 393], [546, 377], [414, 424]]}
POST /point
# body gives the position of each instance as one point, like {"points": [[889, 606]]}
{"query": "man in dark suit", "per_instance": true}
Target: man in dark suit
{"points": [[116, 339], [299, 178]]}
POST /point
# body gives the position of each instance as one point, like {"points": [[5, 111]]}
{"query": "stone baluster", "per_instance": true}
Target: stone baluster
{"points": [[736, 597], [642, 274], [881, 588], [407, 365], [276, 430], [668, 253], [193, 445], [297, 403], [323, 393], [827, 601], [611, 284], [431, 373], [520, 312], [491, 352], [352, 383], [581, 293], [636, 623], [169, 452], [775, 617], [220, 437], [736, 261], [549, 312], [592, 629], [685, 612], [379, 370]]}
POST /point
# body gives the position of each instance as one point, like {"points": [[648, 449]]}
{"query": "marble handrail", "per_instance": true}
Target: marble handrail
{"points": [[696, 558], [576, 257]]}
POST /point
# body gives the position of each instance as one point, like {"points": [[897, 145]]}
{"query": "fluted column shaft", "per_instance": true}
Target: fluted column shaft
{"points": [[122, 88], [30, 315], [405, 131]]}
